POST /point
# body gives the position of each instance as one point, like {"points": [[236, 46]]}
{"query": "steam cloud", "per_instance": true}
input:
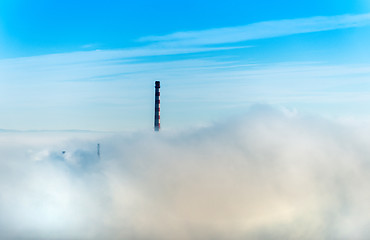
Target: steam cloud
{"points": [[267, 175]]}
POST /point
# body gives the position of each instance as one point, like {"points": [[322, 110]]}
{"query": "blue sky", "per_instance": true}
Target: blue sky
{"points": [[92, 64]]}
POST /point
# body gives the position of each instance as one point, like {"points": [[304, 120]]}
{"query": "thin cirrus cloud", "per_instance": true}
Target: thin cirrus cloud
{"points": [[261, 30], [192, 41]]}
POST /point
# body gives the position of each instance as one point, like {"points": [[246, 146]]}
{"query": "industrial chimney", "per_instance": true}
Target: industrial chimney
{"points": [[157, 116]]}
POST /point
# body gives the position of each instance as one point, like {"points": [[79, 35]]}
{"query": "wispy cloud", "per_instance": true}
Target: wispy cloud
{"points": [[95, 90], [261, 30], [118, 83]]}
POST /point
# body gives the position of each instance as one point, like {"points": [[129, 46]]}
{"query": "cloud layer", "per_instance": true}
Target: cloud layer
{"points": [[269, 175]]}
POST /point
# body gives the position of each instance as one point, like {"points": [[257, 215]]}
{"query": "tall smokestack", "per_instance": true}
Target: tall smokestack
{"points": [[157, 116]]}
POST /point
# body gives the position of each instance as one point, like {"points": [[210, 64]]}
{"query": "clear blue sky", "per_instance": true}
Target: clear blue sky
{"points": [[92, 64]]}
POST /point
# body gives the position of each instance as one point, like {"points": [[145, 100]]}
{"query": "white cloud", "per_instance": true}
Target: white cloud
{"points": [[265, 176]]}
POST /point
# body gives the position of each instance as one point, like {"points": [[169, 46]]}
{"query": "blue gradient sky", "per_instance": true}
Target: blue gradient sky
{"points": [[92, 64]]}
